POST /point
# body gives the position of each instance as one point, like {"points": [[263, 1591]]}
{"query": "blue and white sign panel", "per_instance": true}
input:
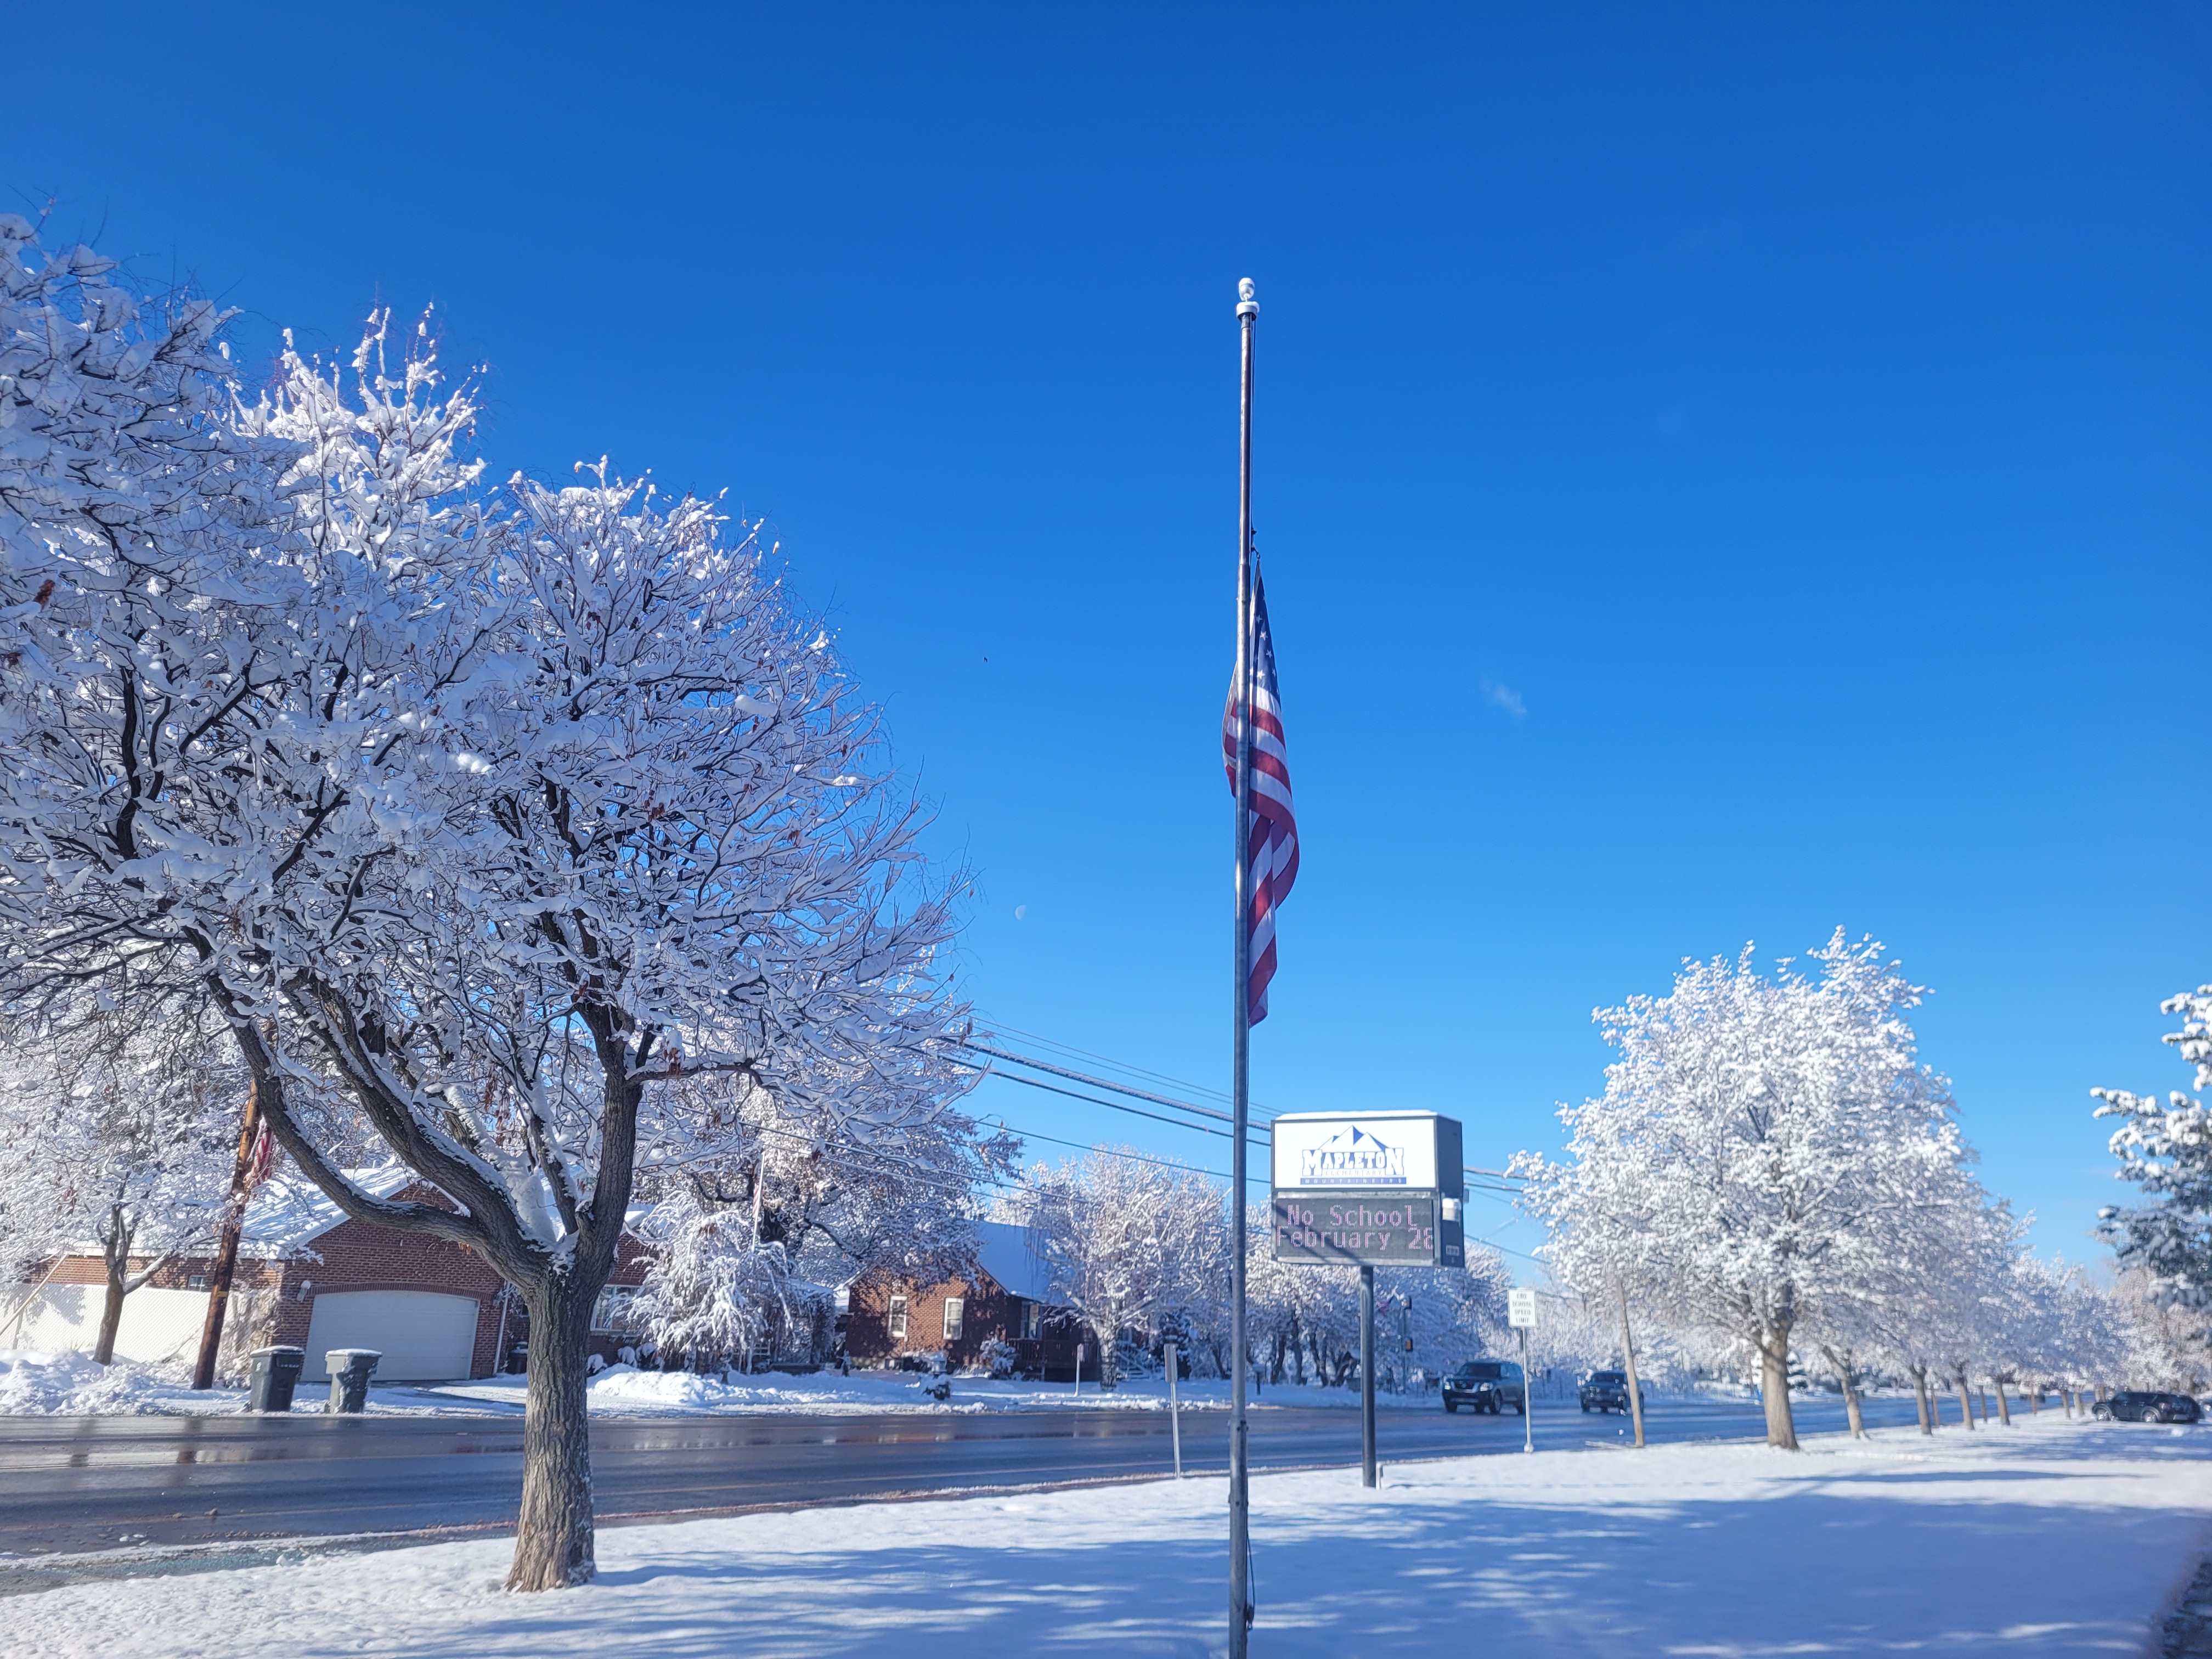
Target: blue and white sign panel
{"points": [[1368, 1189], [1379, 1151]]}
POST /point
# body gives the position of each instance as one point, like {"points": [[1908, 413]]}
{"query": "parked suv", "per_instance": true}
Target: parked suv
{"points": [[1485, 1385], [2138, 1407], [1607, 1391]]}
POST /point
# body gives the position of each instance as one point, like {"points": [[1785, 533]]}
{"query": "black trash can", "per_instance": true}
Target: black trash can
{"points": [[275, 1374], [350, 1369]]}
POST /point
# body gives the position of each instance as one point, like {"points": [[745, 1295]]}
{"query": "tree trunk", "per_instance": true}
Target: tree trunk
{"points": [[2035, 1401], [225, 1251], [1774, 1379], [115, 1253], [1920, 1397], [1966, 1400], [553, 1541], [1628, 1357], [2005, 1405], [1984, 1394], [110, 1313], [1851, 1404], [1108, 1355]]}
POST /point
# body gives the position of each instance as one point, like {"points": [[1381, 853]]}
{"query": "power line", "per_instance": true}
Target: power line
{"points": [[1112, 1063], [1098, 1083], [1259, 1127], [1111, 1106], [1112, 1151]]}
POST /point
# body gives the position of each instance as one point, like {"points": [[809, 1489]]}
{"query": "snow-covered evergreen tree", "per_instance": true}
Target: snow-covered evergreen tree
{"points": [[2164, 1150]]}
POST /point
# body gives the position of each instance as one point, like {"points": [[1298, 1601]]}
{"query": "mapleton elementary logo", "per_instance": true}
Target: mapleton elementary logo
{"points": [[1352, 1157]]}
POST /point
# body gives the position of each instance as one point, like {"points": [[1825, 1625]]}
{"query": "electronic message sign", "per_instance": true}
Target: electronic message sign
{"points": [[1368, 1189]]}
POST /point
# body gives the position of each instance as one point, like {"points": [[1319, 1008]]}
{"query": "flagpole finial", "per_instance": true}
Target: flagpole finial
{"points": [[1246, 305]]}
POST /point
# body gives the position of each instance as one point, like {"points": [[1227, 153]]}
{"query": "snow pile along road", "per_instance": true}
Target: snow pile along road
{"points": [[70, 1384], [2053, 1538]]}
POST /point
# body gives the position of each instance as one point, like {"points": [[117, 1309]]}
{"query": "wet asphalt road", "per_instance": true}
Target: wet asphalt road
{"points": [[77, 1484]]}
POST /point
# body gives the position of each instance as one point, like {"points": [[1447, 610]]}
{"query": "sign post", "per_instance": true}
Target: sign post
{"points": [[1367, 1376], [1520, 1313], [1367, 1189], [1174, 1421]]}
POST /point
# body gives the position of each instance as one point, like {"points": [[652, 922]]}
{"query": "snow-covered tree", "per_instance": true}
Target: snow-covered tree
{"points": [[120, 1139], [2165, 1152], [1303, 1319], [1756, 1140], [1128, 1239], [839, 1208], [2152, 1340], [482, 817], [715, 1291]]}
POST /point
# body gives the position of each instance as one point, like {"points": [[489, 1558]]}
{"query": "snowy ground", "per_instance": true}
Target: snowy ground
{"points": [[72, 1385], [2051, 1538], [672, 1393]]}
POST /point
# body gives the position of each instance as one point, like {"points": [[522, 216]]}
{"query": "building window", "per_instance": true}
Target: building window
{"points": [[898, 1319], [956, 1309], [1032, 1322], [844, 1299], [196, 1282], [610, 1313]]}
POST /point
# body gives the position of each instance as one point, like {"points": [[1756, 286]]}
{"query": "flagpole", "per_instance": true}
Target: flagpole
{"points": [[1240, 1496]]}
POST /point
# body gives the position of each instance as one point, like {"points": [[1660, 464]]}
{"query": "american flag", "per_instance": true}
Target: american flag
{"points": [[1273, 850]]}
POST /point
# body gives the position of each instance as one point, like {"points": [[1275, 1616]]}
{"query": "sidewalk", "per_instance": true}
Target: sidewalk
{"points": [[2053, 1538]]}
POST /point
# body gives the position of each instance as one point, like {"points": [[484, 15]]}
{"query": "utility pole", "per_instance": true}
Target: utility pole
{"points": [[1367, 1376], [226, 1250], [1628, 1353], [1240, 1486]]}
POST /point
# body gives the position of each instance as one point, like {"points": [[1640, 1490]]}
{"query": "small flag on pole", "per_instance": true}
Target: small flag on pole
{"points": [[1272, 852]]}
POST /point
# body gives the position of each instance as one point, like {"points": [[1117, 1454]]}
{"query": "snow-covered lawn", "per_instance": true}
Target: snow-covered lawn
{"points": [[72, 1385], [675, 1394], [2050, 1538]]}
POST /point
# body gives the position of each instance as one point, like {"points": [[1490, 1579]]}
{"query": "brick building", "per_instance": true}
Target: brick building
{"points": [[310, 1276], [889, 1318]]}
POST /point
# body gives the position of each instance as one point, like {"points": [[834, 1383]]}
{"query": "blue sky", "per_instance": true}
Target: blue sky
{"points": [[1724, 471]]}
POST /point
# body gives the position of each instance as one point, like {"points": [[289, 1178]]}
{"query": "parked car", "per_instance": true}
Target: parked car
{"points": [[1485, 1385], [1607, 1391], [2139, 1405]]}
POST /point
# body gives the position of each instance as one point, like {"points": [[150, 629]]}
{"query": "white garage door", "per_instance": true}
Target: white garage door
{"points": [[424, 1337]]}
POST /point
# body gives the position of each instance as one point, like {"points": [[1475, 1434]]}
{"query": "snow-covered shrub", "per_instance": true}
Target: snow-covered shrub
{"points": [[996, 1357]]}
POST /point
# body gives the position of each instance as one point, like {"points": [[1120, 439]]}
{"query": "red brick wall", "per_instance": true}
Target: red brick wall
{"points": [[358, 1255], [990, 1312]]}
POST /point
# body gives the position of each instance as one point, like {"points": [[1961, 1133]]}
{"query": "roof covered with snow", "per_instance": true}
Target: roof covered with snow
{"points": [[288, 1211], [1004, 1251]]}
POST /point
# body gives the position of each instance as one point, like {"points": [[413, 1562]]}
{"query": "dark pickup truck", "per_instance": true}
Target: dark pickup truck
{"points": [[1607, 1391], [1485, 1385]]}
